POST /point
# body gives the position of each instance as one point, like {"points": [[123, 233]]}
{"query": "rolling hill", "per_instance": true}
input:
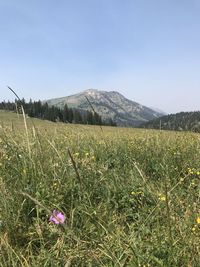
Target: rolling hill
{"points": [[182, 121]]}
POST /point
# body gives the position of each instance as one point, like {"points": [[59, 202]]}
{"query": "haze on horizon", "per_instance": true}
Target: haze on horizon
{"points": [[149, 51]]}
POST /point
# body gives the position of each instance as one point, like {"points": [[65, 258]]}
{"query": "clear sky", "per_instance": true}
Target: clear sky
{"points": [[148, 50]]}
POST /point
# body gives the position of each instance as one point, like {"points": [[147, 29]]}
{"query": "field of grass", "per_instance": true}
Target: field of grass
{"points": [[130, 197]]}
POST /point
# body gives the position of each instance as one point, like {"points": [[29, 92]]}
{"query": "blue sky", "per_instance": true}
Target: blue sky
{"points": [[148, 50]]}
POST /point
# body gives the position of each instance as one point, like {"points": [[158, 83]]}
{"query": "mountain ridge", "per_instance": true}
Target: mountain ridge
{"points": [[109, 104]]}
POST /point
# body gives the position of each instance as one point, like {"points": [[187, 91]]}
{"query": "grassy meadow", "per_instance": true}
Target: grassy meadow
{"points": [[130, 197]]}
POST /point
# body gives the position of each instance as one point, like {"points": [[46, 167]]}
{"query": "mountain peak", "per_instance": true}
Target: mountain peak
{"points": [[91, 90]]}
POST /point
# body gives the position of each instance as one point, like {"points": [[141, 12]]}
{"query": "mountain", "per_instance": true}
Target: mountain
{"points": [[159, 111], [182, 121], [109, 105]]}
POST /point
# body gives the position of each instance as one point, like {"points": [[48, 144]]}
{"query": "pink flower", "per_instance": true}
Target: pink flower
{"points": [[57, 217]]}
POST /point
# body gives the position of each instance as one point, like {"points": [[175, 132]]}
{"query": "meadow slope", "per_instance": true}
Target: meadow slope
{"points": [[130, 197]]}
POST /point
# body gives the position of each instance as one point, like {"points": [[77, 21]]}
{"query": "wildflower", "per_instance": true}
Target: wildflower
{"points": [[194, 228], [57, 217], [198, 220], [55, 184], [161, 197], [190, 171]]}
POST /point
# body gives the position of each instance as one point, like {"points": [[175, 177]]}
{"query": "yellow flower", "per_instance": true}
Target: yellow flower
{"points": [[191, 171], [198, 220], [194, 228], [161, 197]]}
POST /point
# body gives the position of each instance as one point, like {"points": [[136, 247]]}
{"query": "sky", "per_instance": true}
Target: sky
{"points": [[148, 50]]}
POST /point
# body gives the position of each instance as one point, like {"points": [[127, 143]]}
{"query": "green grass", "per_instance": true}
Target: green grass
{"points": [[132, 200]]}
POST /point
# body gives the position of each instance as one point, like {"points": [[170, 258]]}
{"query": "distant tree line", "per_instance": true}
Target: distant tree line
{"points": [[40, 110], [182, 121]]}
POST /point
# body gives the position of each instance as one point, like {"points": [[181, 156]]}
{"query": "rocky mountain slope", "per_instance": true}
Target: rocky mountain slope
{"points": [[109, 105]]}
